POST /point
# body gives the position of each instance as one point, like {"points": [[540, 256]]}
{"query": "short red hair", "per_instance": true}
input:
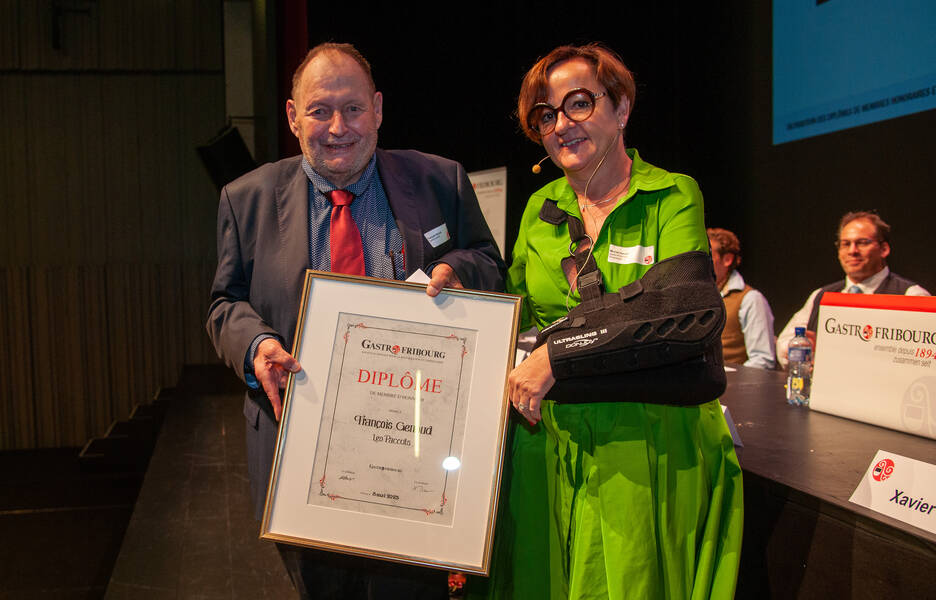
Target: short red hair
{"points": [[609, 70]]}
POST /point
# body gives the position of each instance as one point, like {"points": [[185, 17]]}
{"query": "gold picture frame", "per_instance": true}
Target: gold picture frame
{"points": [[391, 440]]}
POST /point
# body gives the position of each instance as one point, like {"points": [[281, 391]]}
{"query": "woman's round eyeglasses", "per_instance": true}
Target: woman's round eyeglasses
{"points": [[577, 105]]}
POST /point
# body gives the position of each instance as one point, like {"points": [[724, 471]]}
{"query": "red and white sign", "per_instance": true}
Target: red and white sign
{"points": [[899, 487], [875, 360]]}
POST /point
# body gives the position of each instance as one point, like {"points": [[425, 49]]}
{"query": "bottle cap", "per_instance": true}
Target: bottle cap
{"points": [[799, 331]]}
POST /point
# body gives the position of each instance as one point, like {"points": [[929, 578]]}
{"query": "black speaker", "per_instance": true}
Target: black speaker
{"points": [[226, 157]]}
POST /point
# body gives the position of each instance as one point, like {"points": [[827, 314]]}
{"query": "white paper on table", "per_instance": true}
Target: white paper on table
{"points": [[731, 427]]}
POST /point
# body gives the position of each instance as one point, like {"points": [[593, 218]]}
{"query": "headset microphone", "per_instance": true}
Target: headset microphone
{"points": [[537, 168]]}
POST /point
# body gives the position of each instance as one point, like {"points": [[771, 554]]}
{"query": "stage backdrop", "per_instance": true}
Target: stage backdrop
{"points": [[108, 234], [704, 97], [107, 244]]}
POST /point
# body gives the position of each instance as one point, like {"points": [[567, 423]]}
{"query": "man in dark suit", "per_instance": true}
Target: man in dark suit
{"points": [[863, 247], [410, 210]]}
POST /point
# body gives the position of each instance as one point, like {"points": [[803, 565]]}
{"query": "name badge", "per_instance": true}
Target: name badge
{"points": [[900, 487], [438, 236], [631, 255]]}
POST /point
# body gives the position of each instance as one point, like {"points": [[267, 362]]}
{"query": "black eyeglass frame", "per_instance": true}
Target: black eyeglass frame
{"points": [[561, 109], [860, 243]]}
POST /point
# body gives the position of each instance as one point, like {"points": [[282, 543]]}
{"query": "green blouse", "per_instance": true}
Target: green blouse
{"points": [[615, 500], [660, 216]]}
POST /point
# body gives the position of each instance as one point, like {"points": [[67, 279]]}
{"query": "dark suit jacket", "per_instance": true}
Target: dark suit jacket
{"points": [[263, 252], [263, 243]]}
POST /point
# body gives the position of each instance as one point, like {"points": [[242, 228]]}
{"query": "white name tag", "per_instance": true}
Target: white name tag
{"points": [[438, 236], [900, 487], [641, 255]]}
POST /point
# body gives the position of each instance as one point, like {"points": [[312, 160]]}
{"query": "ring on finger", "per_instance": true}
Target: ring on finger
{"points": [[521, 407]]}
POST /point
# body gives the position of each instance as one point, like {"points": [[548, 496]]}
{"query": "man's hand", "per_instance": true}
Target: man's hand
{"points": [[811, 336], [272, 366], [443, 275], [528, 383]]}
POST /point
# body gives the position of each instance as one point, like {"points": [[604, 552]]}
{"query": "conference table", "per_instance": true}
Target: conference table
{"points": [[802, 536]]}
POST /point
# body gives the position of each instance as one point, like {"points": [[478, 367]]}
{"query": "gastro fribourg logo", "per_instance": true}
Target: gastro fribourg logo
{"points": [[402, 350], [867, 332]]}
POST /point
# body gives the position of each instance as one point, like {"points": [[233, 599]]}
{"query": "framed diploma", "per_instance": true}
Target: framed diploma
{"points": [[392, 435]]}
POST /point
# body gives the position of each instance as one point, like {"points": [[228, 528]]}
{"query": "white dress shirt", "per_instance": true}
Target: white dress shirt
{"points": [[801, 318], [757, 323]]}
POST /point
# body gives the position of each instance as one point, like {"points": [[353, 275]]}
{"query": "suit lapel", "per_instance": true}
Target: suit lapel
{"points": [[292, 215], [400, 191]]}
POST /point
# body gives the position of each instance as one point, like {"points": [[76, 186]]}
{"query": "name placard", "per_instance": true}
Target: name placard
{"points": [[876, 360], [899, 487]]}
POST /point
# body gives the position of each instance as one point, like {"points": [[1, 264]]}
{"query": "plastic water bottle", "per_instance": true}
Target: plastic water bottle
{"points": [[799, 380]]}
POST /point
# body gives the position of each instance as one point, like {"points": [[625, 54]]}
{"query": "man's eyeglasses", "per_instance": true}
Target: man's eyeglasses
{"points": [[860, 243], [578, 105]]}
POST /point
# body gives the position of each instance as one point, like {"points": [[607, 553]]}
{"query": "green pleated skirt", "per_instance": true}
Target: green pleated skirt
{"points": [[618, 500]]}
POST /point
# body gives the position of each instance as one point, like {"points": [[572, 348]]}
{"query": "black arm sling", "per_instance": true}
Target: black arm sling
{"points": [[656, 340]]}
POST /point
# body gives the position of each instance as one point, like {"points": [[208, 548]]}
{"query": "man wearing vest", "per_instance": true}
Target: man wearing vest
{"points": [[863, 247], [748, 335]]}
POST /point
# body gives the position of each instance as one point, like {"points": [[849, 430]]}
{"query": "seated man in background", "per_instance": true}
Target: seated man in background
{"points": [[748, 335], [863, 246]]}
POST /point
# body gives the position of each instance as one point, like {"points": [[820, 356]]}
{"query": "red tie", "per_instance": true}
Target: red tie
{"points": [[347, 253]]}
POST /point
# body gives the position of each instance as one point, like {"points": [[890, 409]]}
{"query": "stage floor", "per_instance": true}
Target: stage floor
{"points": [[192, 533]]}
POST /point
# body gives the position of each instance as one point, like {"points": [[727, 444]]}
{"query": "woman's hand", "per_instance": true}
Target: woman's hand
{"points": [[529, 383]]}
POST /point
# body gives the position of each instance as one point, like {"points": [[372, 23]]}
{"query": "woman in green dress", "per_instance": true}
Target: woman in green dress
{"points": [[609, 498]]}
